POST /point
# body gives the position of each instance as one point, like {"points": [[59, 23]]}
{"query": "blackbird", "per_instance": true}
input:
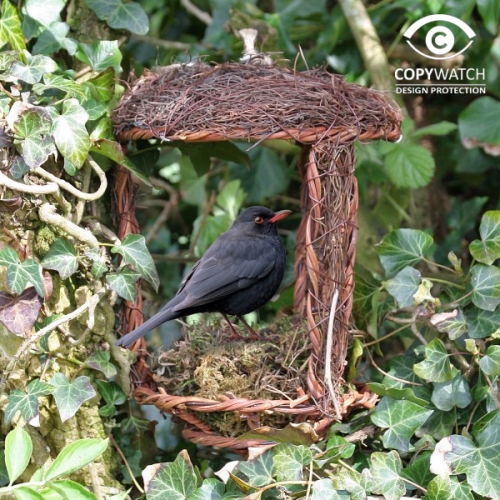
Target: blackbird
{"points": [[238, 274]]}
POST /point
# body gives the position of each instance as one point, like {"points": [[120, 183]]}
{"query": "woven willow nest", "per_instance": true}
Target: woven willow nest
{"points": [[324, 114]]}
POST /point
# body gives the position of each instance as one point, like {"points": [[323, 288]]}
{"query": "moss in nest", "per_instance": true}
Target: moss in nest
{"points": [[233, 367], [205, 365]]}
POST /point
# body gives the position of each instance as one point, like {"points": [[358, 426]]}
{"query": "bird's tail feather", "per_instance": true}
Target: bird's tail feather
{"points": [[159, 318]]}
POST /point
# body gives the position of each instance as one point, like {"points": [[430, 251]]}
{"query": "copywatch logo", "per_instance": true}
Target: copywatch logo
{"points": [[439, 40], [439, 78]]}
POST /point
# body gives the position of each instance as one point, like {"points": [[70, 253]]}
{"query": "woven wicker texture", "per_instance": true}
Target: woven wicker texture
{"points": [[325, 115]]}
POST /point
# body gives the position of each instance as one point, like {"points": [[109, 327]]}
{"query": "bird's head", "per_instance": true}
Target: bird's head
{"points": [[259, 220]]}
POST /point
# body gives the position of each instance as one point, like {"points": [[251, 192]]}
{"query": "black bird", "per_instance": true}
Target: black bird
{"points": [[239, 273]]}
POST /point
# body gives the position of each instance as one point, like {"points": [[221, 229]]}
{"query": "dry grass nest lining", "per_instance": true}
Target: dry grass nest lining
{"points": [[207, 365], [200, 102]]}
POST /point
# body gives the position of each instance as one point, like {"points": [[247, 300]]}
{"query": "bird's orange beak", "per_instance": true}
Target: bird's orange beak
{"points": [[280, 215]]}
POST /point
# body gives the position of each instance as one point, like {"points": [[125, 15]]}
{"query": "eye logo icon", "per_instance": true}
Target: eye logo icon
{"points": [[440, 39]]}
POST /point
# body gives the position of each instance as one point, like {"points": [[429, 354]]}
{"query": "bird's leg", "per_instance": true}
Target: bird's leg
{"points": [[253, 334], [236, 335]]}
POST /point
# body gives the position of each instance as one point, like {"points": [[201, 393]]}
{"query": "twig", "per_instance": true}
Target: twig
{"points": [[94, 479], [72, 189], [369, 45], [166, 44], [47, 213], [125, 461], [493, 393], [328, 360], [204, 17], [80, 206], [89, 305], [166, 208], [206, 212], [27, 188], [362, 434]]}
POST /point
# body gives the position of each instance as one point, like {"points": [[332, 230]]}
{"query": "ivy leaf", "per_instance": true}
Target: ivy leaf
{"points": [[123, 282], [32, 272], [404, 286], [19, 275], [460, 490], [451, 394], [439, 488], [99, 266], [173, 480], [481, 323], [134, 425], [101, 55], [101, 361], [408, 165], [70, 134], [290, 460], [403, 247], [113, 151], [68, 489], [32, 131], [405, 394], [129, 16], [260, 471], [478, 125], [436, 365], [418, 471], [490, 364], [10, 27], [487, 249], [61, 258], [18, 448], [45, 12], [4, 476], [69, 87], [485, 281], [70, 395], [385, 470], [27, 402], [351, 481], [75, 456], [453, 323], [135, 253], [401, 419], [34, 69], [102, 86], [19, 168], [478, 461], [323, 489], [441, 128], [54, 38], [19, 313], [113, 396], [211, 489], [438, 425]]}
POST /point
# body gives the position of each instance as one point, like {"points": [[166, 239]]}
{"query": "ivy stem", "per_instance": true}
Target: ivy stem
{"points": [[456, 303], [388, 374], [394, 332], [125, 461], [445, 282], [445, 268], [495, 397]]}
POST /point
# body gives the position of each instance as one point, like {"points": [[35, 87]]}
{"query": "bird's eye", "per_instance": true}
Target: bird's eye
{"points": [[258, 220]]}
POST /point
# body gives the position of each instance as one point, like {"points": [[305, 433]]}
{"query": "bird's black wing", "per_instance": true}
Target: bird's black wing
{"points": [[228, 265]]}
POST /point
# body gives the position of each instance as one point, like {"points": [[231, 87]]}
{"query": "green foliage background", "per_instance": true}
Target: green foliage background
{"points": [[427, 280]]}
